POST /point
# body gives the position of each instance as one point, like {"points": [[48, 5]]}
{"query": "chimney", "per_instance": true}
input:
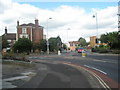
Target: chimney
{"points": [[5, 30], [36, 22], [18, 23]]}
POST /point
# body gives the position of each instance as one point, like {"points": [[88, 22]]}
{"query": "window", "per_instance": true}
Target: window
{"points": [[23, 30], [24, 36]]}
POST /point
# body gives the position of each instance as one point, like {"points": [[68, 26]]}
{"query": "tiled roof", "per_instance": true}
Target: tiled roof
{"points": [[29, 24], [75, 42]]}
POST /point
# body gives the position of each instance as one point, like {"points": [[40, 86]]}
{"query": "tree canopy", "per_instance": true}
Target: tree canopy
{"points": [[112, 38], [23, 45], [55, 43], [82, 42], [43, 45]]}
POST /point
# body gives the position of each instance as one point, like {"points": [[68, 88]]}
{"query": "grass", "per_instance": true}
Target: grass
{"points": [[20, 63]]}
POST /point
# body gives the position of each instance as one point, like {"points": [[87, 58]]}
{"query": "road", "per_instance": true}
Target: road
{"points": [[106, 64], [68, 70]]}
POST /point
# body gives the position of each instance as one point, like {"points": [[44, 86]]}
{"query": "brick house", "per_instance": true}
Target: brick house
{"points": [[10, 37], [93, 41], [34, 32], [73, 45]]}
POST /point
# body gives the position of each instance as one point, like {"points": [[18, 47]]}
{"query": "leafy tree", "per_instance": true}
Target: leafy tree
{"points": [[82, 42], [36, 46], [23, 45], [112, 38], [64, 46], [43, 46], [55, 44]]}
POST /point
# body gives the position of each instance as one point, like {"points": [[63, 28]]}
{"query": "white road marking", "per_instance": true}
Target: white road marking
{"points": [[15, 78], [99, 60], [100, 81], [95, 69], [95, 75], [103, 61]]}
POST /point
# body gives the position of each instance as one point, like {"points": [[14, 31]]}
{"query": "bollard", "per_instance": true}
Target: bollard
{"points": [[59, 52], [83, 54]]}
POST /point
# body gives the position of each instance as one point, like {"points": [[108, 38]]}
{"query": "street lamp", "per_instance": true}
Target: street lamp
{"points": [[47, 36], [95, 16]]}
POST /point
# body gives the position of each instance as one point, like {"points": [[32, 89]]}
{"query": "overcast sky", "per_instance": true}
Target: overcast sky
{"points": [[76, 16]]}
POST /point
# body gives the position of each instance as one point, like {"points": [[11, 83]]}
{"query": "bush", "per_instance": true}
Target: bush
{"points": [[102, 50], [116, 51], [12, 56], [9, 55]]}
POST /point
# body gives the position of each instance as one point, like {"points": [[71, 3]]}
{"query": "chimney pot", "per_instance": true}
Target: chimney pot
{"points": [[5, 30], [18, 23], [36, 22]]}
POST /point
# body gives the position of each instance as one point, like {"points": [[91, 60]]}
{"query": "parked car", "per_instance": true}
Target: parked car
{"points": [[80, 50]]}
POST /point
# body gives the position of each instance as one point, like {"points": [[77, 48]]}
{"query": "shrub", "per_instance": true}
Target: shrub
{"points": [[9, 55], [102, 50]]}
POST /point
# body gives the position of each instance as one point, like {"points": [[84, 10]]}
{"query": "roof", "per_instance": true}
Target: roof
{"points": [[10, 36], [29, 24], [75, 42]]}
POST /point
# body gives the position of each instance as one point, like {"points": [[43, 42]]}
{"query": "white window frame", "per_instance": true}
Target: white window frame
{"points": [[24, 36], [24, 30]]}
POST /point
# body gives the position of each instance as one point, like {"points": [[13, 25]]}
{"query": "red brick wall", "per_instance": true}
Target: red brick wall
{"points": [[19, 31], [37, 35], [29, 32]]}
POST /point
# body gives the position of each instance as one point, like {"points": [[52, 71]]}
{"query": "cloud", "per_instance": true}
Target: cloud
{"points": [[79, 21]]}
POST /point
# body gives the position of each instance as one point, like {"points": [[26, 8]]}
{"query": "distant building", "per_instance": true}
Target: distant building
{"points": [[73, 45], [93, 41], [10, 37], [34, 32]]}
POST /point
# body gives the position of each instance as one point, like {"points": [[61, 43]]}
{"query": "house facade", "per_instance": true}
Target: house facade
{"points": [[10, 37], [73, 45], [93, 41], [34, 32]]}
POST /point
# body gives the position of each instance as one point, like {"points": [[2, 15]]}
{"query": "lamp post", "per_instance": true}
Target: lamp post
{"points": [[47, 37], [95, 16]]}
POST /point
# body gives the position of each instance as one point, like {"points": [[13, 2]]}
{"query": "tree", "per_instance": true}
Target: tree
{"points": [[112, 38], [43, 45], [23, 45], [82, 42], [35, 46], [64, 46], [55, 43]]}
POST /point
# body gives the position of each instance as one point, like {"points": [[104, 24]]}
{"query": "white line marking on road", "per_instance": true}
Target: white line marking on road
{"points": [[95, 69], [96, 76], [15, 78], [99, 60], [100, 80], [107, 60]]}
